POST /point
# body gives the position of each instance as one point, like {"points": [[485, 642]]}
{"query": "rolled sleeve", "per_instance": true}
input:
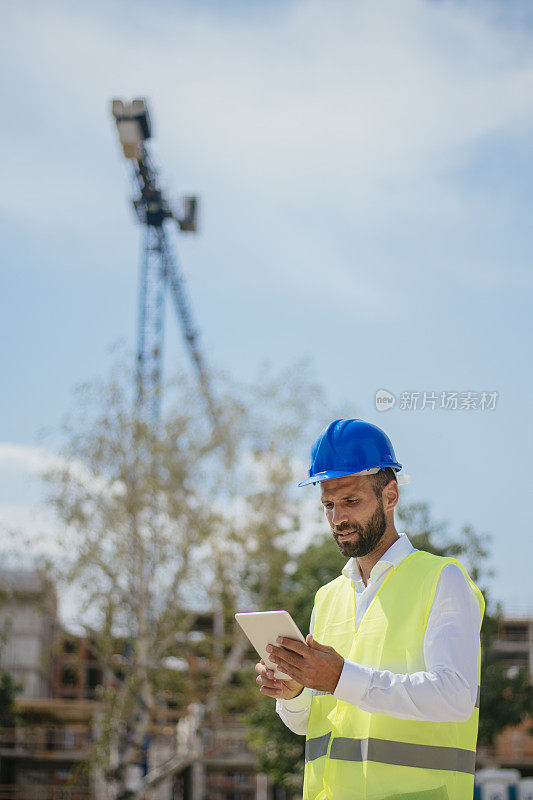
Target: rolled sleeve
{"points": [[295, 713]]}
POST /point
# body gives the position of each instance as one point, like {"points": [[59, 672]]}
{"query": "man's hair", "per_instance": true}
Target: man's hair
{"points": [[381, 479]]}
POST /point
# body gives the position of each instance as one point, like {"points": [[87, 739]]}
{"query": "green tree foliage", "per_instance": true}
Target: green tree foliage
{"points": [[9, 688]]}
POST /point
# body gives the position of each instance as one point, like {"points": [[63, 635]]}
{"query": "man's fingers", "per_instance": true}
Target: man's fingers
{"points": [[292, 644], [314, 644], [290, 669], [288, 655], [269, 686], [270, 683], [270, 692], [262, 669]]}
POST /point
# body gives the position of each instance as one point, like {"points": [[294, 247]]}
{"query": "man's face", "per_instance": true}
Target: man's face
{"points": [[354, 513]]}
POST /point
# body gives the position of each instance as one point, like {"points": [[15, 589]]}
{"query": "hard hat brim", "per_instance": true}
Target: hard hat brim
{"points": [[329, 474]]}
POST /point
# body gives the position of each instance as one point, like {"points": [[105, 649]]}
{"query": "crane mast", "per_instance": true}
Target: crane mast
{"points": [[160, 271], [160, 275]]}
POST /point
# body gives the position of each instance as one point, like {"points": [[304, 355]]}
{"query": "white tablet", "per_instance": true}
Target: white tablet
{"points": [[264, 627]]}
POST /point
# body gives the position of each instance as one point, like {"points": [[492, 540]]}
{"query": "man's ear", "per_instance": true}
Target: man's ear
{"points": [[391, 496]]}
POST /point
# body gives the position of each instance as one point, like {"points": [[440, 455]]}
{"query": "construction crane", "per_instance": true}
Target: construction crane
{"points": [[159, 269], [160, 273]]}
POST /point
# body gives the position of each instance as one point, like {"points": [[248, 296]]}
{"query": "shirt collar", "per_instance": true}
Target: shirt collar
{"points": [[396, 553]]}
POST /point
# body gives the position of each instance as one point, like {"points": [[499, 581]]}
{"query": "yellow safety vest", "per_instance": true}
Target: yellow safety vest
{"points": [[351, 754]]}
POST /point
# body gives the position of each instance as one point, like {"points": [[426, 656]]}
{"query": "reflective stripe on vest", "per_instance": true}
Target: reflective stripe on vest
{"points": [[315, 748], [351, 753], [424, 756]]}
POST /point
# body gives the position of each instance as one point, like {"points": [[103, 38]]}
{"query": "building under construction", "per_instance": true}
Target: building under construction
{"points": [[45, 747]]}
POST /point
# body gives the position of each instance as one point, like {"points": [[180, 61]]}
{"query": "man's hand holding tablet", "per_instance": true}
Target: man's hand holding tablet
{"points": [[289, 662], [275, 687]]}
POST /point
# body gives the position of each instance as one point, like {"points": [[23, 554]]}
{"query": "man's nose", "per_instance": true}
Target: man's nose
{"points": [[338, 515]]}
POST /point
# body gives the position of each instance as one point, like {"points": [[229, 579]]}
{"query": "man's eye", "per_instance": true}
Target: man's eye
{"points": [[353, 500]]}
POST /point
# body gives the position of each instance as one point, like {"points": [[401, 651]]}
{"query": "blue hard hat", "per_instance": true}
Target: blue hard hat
{"points": [[349, 446]]}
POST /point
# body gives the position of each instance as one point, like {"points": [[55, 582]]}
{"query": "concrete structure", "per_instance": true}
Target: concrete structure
{"points": [[42, 753], [28, 621], [514, 644]]}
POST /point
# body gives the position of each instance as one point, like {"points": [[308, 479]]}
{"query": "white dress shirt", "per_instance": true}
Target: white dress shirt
{"points": [[446, 690]]}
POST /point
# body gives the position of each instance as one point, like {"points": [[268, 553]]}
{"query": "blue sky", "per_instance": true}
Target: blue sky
{"points": [[365, 173]]}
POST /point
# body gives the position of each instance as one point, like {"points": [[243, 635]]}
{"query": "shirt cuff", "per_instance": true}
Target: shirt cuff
{"points": [[296, 704], [354, 682]]}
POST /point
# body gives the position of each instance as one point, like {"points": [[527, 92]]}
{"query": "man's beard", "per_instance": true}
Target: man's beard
{"points": [[367, 537]]}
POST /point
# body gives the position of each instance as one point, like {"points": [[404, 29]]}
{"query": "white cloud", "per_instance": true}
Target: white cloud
{"points": [[33, 459], [294, 121], [23, 491]]}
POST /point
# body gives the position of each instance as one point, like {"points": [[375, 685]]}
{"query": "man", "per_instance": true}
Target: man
{"points": [[386, 687]]}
